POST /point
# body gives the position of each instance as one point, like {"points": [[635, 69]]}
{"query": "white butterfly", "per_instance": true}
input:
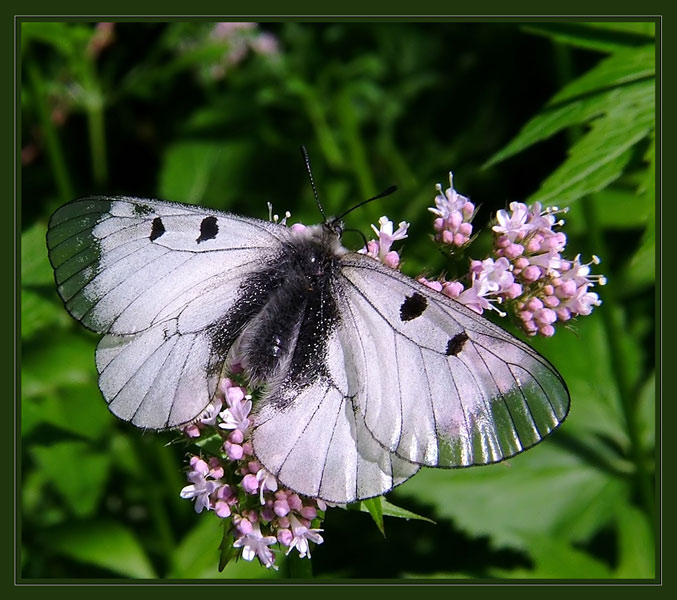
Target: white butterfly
{"points": [[368, 374]]}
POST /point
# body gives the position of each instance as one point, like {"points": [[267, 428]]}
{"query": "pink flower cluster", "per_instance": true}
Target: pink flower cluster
{"points": [[555, 289], [453, 215], [231, 42], [527, 274], [234, 484]]}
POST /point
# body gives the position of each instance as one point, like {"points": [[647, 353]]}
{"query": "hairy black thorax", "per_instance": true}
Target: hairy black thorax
{"points": [[286, 311]]}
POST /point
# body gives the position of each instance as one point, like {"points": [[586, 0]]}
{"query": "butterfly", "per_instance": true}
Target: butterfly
{"points": [[367, 374]]}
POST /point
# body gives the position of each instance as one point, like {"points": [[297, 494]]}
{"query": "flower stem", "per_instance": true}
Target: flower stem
{"points": [[97, 141], [54, 150]]}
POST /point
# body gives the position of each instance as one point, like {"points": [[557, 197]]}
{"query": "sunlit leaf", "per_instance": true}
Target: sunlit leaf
{"points": [[584, 35], [609, 86], [555, 559], [76, 471], [375, 509], [598, 158], [65, 360], [38, 314], [104, 544], [636, 545], [35, 267]]}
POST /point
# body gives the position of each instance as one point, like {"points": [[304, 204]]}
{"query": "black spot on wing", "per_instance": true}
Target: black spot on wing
{"points": [[157, 229], [142, 210], [208, 229], [455, 344], [413, 306]]}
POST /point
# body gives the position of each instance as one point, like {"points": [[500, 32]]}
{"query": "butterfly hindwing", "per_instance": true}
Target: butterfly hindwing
{"points": [[314, 439]]}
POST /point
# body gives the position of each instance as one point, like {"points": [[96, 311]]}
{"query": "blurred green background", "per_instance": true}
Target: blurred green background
{"points": [[214, 114]]}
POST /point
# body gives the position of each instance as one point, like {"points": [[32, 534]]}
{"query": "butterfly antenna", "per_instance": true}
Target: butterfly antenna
{"points": [[364, 237], [384, 193], [312, 181]]}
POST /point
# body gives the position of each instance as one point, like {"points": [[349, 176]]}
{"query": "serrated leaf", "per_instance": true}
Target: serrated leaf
{"points": [[636, 558], [582, 35], [647, 191], [598, 158], [35, 267], [555, 118], [104, 544], [617, 70], [78, 472]]}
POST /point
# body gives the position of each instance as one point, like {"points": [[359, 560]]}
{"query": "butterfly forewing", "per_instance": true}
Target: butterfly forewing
{"points": [[156, 277], [127, 254], [460, 391]]}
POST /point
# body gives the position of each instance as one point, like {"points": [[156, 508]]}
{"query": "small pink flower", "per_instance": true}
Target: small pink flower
{"points": [[255, 545], [302, 535]]}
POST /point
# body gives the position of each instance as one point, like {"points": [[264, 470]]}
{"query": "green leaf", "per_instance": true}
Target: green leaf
{"points": [[646, 415], [197, 556], [643, 265], [78, 409], [38, 314], [555, 559], [636, 545], [67, 38], [640, 273], [390, 510], [227, 551], [66, 360], [580, 108], [598, 158], [548, 489], [104, 544], [620, 69], [585, 35], [198, 172], [616, 208], [644, 28], [35, 267], [374, 507], [78, 472], [583, 356]]}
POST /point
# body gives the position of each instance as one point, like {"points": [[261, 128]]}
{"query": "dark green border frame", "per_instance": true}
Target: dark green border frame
{"points": [[307, 11]]}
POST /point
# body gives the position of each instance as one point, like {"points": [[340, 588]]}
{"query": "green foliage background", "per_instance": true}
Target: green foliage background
{"points": [[557, 112]]}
